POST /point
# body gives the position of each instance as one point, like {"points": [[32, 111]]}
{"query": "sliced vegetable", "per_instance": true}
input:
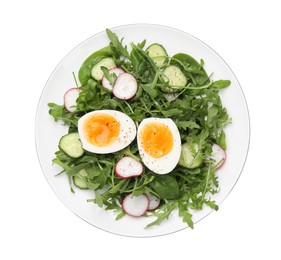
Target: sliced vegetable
{"points": [[175, 79], [191, 67], [105, 82], [96, 71], [128, 167], [191, 156], [158, 54], [135, 206], [218, 155], [154, 202], [71, 145], [79, 180], [125, 87], [70, 98]]}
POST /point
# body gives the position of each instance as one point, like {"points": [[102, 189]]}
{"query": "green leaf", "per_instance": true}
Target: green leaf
{"points": [[166, 186], [187, 124], [172, 112], [148, 89], [221, 140], [186, 216], [84, 73], [192, 68], [212, 115], [212, 204], [111, 77], [120, 215], [98, 199], [143, 66], [162, 214], [221, 84], [116, 45]]}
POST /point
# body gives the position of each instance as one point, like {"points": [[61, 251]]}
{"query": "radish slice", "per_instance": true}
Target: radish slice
{"points": [[105, 83], [70, 98], [218, 155], [125, 87], [154, 202], [135, 206], [128, 167]]}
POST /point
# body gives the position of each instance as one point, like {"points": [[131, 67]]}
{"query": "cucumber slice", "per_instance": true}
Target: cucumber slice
{"points": [[158, 54], [79, 180], [174, 76], [96, 71], [191, 156], [71, 145]]}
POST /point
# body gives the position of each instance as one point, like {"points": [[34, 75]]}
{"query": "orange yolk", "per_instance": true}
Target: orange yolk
{"points": [[157, 139], [101, 129]]}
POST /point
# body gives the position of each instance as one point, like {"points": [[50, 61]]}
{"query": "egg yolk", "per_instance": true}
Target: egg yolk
{"points": [[101, 129], [157, 139]]}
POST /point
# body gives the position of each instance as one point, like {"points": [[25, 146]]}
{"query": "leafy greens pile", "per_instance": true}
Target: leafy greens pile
{"points": [[196, 109]]}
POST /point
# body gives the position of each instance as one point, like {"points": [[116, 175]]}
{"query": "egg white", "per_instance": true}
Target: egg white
{"points": [[168, 162], [126, 136]]}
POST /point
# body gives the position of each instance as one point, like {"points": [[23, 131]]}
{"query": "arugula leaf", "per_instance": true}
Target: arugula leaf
{"points": [[221, 140], [111, 77], [148, 89], [60, 113], [143, 66], [162, 214], [186, 216], [116, 45], [187, 124], [98, 199]]}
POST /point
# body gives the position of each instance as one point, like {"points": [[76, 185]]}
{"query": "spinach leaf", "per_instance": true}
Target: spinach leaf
{"points": [[221, 84], [84, 73], [166, 186]]}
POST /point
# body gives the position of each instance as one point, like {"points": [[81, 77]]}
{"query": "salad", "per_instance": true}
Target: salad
{"points": [[145, 131]]}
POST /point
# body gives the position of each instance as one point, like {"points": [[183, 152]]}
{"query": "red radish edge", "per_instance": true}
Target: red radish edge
{"points": [[127, 166], [70, 98], [154, 202], [105, 83], [125, 87], [132, 208], [222, 154]]}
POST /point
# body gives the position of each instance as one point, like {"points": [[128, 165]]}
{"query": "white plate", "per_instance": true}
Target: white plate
{"points": [[48, 132]]}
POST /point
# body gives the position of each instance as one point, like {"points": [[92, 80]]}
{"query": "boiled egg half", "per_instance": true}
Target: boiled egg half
{"points": [[159, 144], [106, 131]]}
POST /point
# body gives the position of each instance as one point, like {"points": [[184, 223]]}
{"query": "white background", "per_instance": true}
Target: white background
{"points": [[36, 35]]}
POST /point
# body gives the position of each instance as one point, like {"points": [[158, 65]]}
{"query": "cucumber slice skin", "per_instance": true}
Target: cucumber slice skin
{"points": [[84, 73], [191, 156], [71, 145], [80, 183], [175, 77], [96, 71], [183, 60], [158, 54]]}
